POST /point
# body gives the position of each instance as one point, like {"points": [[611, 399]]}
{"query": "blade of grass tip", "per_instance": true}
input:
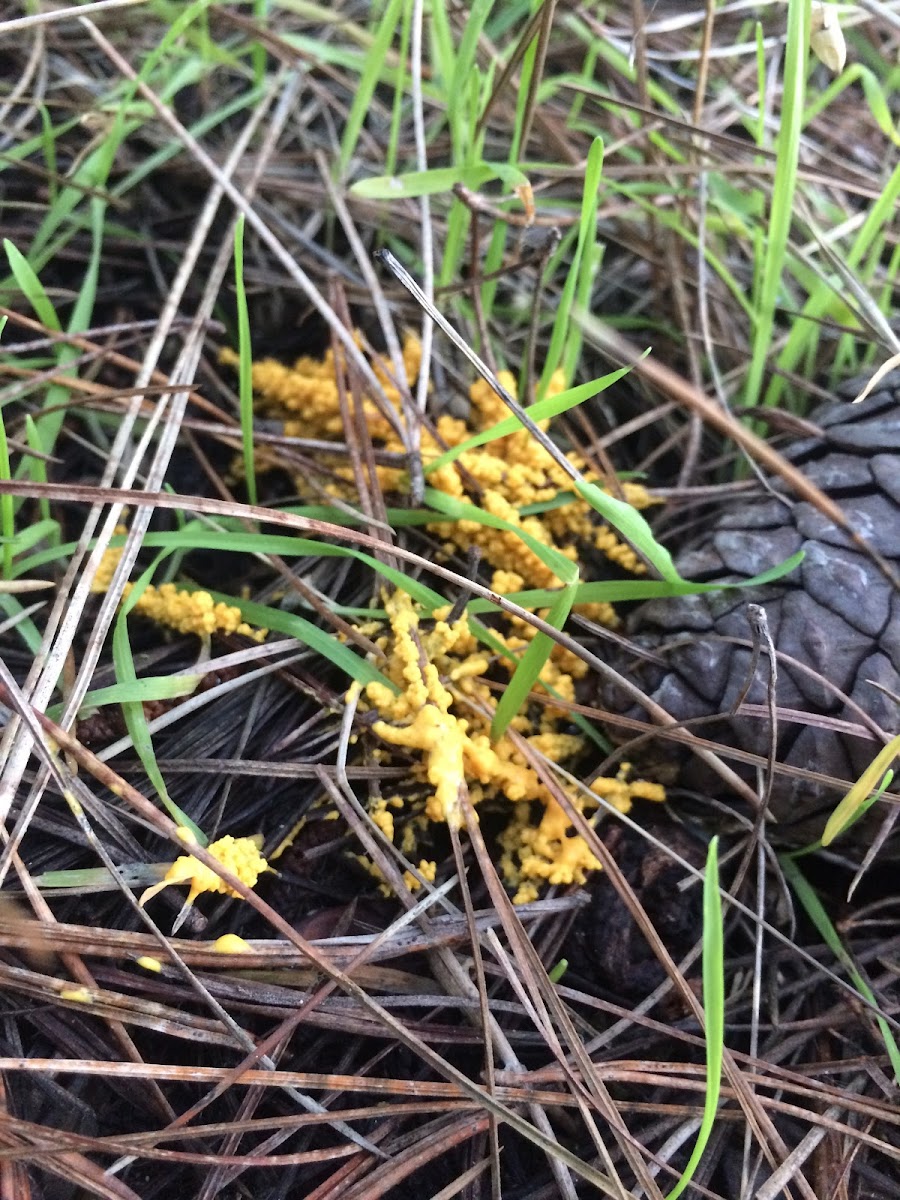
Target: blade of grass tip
{"points": [[813, 847], [245, 361], [850, 808], [31, 287], [632, 526], [815, 910], [784, 185], [531, 664], [587, 234], [541, 410], [133, 711], [713, 1010]]}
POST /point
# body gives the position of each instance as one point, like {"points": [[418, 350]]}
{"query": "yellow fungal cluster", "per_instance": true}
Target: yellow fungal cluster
{"points": [[192, 612], [178, 609], [106, 568], [502, 477], [306, 397], [515, 472], [441, 711], [438, 720], [241, 856]]}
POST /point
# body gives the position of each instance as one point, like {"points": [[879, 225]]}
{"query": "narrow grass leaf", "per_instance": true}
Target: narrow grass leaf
{"points": [[78, 880], [143, 691], [37, 472], [815, 910], [796, 54], [587, 233], [713, 1011], [31, 287], [24, 626], [627, 521], [541, 410], [32, 535], [245, 362], [199, 537], [133, 710], [320, 640], [458, 510], [368, 80], [613, 591], [7, 507], [436, 180], [531, 664], [850, 807]]}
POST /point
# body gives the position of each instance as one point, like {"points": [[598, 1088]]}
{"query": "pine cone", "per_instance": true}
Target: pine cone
{"points": [[837, 614]]}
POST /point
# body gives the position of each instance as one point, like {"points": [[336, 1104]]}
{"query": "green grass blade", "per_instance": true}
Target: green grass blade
{"points": [[815, 910], [541, 410], [245, 362], [857, 799], [614, 591], [714, 1011], [7, 506], [368, 81], [784, 186], [197, 536], [25, 627], [587, 233], [320, 640], [457, 510], [436, 180], [133, 710], [531, 664], [627, 521], [37, 472], [32, 535], [31, 287], [138, 691]]}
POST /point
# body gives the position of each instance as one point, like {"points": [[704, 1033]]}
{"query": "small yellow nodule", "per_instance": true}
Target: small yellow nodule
{"points": [[148, 963], [79, 995], [230, 943]]}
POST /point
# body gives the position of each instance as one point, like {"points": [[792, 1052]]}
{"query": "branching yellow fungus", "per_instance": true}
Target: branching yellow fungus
{"points": [[439, 673], [438, 720], [241, 856]]}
